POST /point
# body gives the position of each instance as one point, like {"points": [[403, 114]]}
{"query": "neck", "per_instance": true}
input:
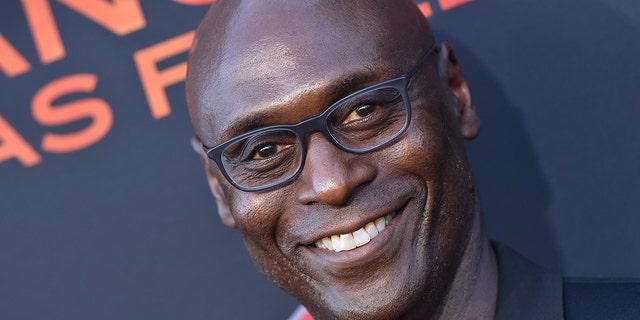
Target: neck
{"points": [[474, 291]]}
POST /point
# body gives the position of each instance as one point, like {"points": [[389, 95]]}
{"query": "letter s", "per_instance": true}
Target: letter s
{"points": [[47, 114]]}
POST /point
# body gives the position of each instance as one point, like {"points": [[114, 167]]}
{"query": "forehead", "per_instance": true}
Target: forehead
{"points": [[281, 66]]}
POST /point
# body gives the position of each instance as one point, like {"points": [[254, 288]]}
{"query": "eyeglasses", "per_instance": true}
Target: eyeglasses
{"points": [[364, 121]]}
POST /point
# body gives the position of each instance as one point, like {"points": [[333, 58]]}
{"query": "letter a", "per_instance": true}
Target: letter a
{"points": [[12, 145]]}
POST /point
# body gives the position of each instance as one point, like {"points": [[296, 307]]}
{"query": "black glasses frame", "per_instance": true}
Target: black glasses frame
{"points": [[319, 123]]}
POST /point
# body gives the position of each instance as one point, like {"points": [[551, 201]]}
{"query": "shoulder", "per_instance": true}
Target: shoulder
{"points": [[601, 299], [526, 290]]}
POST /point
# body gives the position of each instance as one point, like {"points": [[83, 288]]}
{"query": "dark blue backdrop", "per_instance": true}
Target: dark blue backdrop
{"points": [[126, 228]]}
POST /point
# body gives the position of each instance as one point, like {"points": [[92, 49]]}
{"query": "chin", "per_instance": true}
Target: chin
{"points": [[405, 289]]}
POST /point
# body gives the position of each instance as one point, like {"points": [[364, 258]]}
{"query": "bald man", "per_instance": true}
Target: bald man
{"points": [[332, 134]]}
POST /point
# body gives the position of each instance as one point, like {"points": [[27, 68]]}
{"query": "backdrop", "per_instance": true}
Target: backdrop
{"points": [[105, 212]]}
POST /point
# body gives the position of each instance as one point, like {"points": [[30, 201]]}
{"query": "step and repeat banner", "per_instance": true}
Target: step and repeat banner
{"points": [[105, 212]]}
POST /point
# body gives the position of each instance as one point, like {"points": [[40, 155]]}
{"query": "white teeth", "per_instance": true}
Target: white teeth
{"points": [[361, 237], [381, 223], [346, 242], [358, 238], [371, 229], [328, 244], [335, 243]]}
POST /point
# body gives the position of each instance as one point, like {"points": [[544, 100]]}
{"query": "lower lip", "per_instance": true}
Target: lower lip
{"points": [[385, 243]]}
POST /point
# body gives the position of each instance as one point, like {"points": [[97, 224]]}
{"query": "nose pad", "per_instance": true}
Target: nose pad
{"points": [[330, 175]]}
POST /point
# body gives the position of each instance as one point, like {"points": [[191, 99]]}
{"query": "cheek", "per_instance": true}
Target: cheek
{"points": [[440, 160], [259, 219], [424, 148], [256, 214], [433, 154]]}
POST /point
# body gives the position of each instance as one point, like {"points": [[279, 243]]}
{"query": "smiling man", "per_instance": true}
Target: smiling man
{"points": [[332, 134]]}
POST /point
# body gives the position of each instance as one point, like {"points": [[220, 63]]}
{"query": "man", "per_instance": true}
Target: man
{"points": [[332, 134]]}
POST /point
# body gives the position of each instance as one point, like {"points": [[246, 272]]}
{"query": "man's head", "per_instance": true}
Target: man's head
{"points": [[257, 64]]}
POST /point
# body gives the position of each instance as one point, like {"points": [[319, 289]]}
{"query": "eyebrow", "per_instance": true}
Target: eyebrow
{"points": [[245, 123], [336, 91]]}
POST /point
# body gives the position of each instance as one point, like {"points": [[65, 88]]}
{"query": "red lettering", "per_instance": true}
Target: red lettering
{"points": [[47, 114], [118, 16], [14, 146], [12, 63], [425, 8], [195, 2], [44, 30], [450, 4], [155, 81]]}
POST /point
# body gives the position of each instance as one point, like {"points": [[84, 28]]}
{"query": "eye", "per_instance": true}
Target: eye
{"points": [[267, 150], [361, 112]]}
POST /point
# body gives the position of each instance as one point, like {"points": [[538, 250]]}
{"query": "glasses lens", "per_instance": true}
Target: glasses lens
{"points": [[263, 159], [370, 119]]}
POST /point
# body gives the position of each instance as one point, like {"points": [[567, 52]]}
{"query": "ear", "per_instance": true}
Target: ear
{"points": [[466, 110], [223, 205]]}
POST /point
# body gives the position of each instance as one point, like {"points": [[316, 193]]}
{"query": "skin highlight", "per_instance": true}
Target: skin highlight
{"points": [[260, 63]]}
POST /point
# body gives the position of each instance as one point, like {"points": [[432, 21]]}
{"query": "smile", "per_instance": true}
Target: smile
{"points": [[355, 239]]}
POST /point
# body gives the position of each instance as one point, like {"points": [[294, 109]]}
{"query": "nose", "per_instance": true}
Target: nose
{"points": [[331, 175]]}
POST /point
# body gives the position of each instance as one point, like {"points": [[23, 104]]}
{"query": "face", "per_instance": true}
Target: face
{"points": [[293, 62]]}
